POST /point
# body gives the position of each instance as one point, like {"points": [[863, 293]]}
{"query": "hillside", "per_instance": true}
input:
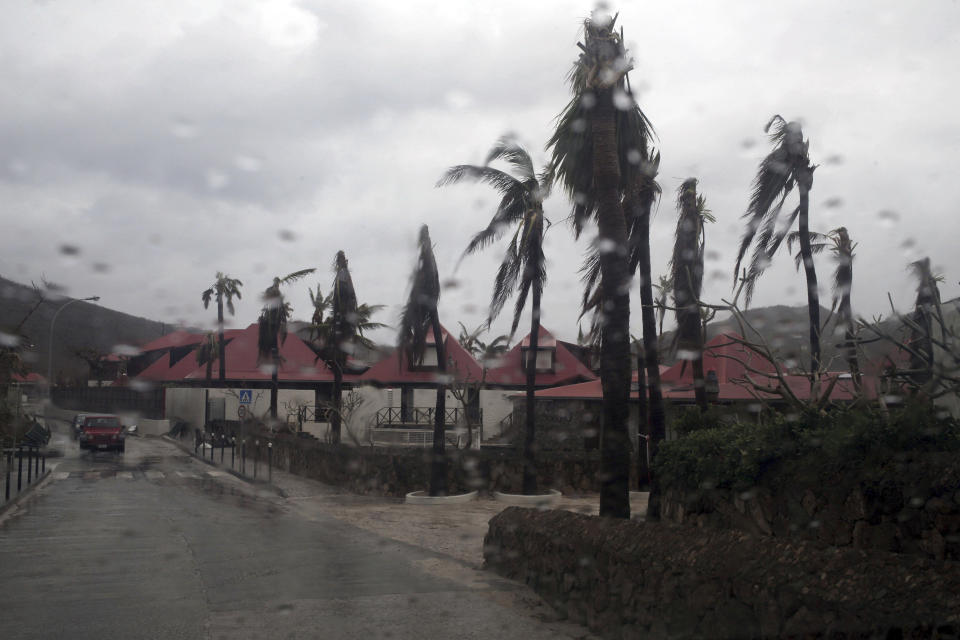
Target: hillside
{"points": [[83, 325]]}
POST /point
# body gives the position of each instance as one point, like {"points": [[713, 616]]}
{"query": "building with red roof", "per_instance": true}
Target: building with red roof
{"points": [[728, 364]]}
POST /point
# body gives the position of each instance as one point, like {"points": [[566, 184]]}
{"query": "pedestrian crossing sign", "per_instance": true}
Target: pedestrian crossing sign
{"points": [[245, 396]]}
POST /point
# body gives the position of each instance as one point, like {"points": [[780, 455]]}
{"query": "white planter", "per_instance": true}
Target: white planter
{"points": [[542, 501], [424, 497]]}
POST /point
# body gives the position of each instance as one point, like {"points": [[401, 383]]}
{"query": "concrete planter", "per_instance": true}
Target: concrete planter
{"points": [[542, 501], [424, 497]]}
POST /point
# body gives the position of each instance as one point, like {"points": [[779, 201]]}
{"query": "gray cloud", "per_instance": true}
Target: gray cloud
{"points": [[169, 141]]}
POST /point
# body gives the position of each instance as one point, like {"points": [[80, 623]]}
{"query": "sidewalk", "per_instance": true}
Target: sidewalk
{"points": [[454, 530]]}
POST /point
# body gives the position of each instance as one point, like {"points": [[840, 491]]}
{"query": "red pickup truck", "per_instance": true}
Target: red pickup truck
{"points": [[102, 433]]}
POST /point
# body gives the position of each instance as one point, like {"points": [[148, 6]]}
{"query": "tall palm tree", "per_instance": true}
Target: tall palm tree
{"points": [[687, 274], [601, 156], [341, 331], [594, 166], [840, 245], [521, 204], [921, 327], [223, 290], [207, 353], [273, 329], [788, 165], [419, 317]]}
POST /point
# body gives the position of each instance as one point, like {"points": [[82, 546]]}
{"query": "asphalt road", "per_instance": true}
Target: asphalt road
{"points": [[154, 544]]}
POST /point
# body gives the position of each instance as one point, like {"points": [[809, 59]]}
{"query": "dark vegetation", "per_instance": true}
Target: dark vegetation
{"points": [[717, 453]]}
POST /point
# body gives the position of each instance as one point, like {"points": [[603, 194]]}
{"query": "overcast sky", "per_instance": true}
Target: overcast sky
{"points": [[146, 145]]}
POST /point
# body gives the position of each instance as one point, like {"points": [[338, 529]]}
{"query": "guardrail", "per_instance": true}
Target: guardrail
{"points": [[238, 462], [36, 463]]}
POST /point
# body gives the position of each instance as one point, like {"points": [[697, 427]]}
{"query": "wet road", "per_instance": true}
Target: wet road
{"points": [[154, 544]]}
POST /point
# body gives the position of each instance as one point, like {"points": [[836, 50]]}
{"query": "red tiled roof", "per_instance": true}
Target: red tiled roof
{"points": [[178, 338], [394, 369], [161, 371], [729, 391], [723, 355], [298, 361], [567, 368], [31, 378], [718, 356]]}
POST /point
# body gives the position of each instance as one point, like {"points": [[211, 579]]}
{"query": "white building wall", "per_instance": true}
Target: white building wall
{"points": [[185, 403], [496, 405]]}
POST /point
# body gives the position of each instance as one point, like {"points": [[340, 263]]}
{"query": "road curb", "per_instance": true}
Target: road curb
{"points": [[26, 493], [235, 474]]}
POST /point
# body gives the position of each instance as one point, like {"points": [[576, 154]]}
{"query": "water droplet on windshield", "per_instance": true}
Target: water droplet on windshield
{"points": [[183, 129], [888, 218], [622, 100], [69, 250], [286, 235], [126, 350], [250, 164]]}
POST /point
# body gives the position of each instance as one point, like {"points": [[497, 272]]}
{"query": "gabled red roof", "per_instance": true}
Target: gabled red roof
{"points": [[161, 371], [395, 369], [567, 368], [298, 362]]}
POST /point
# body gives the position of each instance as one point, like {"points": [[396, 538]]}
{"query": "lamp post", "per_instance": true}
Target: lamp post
{"points": [[52, 323]]}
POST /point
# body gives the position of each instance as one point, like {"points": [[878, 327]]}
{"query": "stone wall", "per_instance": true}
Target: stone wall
{"points": [[397, 471], [907, 505], [627, 579]]}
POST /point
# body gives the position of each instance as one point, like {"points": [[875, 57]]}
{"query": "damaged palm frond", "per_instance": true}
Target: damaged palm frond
{"points": [[421, 307]]}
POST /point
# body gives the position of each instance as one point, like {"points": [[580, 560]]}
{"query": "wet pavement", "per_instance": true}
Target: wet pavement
{"points": [[155, 544]]}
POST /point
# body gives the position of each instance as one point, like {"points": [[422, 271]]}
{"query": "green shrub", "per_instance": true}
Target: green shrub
{"points": [[738, 454]]}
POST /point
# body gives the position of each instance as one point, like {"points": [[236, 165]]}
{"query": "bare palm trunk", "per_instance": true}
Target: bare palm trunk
{"points": [[274, 382], [699, 382], [615, 329], [220, 346], [335, 415], [438, 460], [209, 367], [658, 429], [529, 440], [643, 424], [813, 293]]}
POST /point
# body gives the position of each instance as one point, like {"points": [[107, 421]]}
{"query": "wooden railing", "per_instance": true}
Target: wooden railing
{"points": [[396, 416]]}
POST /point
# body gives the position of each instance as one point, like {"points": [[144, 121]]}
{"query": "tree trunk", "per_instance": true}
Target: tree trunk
{"points": [[220, 346], [438, 460], [658, 429], [813, 293], [209, 366], [643, 423], [529, 439], [615, 330], [274, 383], [335, 416], [699, 382]]}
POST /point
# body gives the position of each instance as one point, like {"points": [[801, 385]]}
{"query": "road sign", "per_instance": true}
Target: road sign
{"points": [[246, 395], [242, 411]]}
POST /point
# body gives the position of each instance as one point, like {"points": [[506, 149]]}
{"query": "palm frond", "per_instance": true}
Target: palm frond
{"points": [[501, 181], [508, 149], [296, 275]]}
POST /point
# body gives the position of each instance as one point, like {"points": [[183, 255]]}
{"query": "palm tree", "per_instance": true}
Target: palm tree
{"points": [[339, 334], [839, 243], [687, 274], [921, 325], [521, 204], [601, 156], [419, 317], [788, 165], [273, 329], [224, 289], [207, 353]]}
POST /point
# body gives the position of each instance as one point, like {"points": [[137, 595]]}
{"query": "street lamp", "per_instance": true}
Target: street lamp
{"points": [[52, 323]]}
